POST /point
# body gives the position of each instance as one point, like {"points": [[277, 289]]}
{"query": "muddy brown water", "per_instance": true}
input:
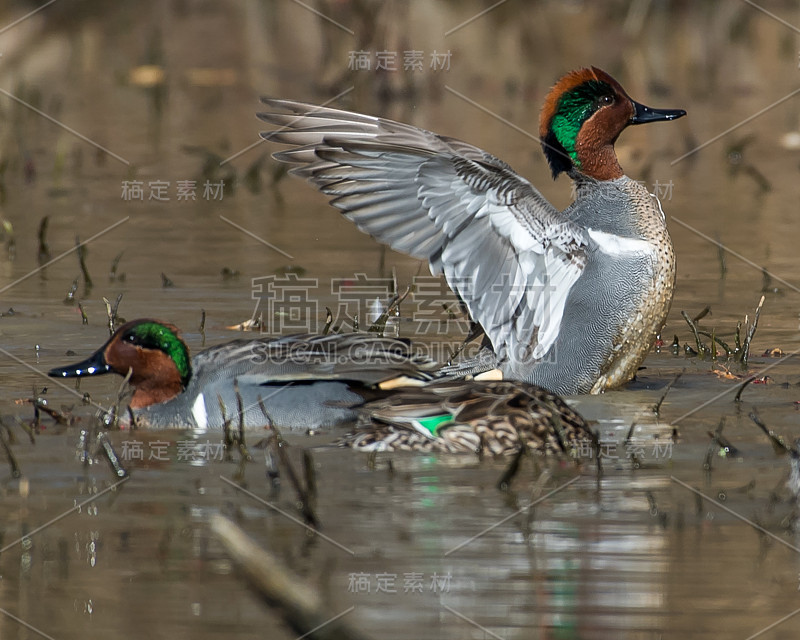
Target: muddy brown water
{"points": [[425, 547]]}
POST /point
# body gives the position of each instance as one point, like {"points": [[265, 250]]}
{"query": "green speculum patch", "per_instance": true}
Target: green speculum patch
{"points": [[574, 108], [156, 336], [432, 423]]}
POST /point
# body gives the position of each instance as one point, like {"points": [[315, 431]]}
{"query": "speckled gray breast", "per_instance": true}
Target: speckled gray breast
{"points": [[620, 302]]}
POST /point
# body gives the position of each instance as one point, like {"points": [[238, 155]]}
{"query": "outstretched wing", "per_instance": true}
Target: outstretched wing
{"points": [[509, 254]]}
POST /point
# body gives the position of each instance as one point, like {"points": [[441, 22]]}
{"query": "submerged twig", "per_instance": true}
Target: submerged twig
{"points": [[741, 350], [701, 348], [738, 397], [40, 406], [279, 445], [203, 325], [111, 313], [766, 282], [240, 409], [716, 339], [513, 468], [310, 474], [750, 333], [328, 321], [112, 274], [113, 459], [37, 403], [475, 332], [714, 444], [122, 391], [652, 504], [713, 347], [70, 297], [777, 441], [657, 406], [132, 418], [227, 436], [27, 428], [726, 447], [630, 449], [12, 461], [82, 251], [299, 603], [379, 326], [87, 437], [61, 417], [273, 470], [44, 249], [738, 336], [703, 313]]}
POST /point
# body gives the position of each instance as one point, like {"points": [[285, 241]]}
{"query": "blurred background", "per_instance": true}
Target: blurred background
{"points": [[134, 125]]}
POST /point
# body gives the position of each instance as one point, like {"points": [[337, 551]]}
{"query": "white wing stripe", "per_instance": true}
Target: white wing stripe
{"points": [[615, 245]]}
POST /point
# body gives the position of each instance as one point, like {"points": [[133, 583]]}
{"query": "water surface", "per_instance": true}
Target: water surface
{"points": [[425, 547]]}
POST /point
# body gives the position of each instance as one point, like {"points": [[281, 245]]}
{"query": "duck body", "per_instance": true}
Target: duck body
{"points": [[496, 418], [300, 381], [313, 405], [620, 302], [569, 300], [269, 392]]}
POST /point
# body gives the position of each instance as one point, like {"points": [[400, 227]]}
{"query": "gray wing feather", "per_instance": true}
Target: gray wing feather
{"points": [[354, 356], [501, 245]]}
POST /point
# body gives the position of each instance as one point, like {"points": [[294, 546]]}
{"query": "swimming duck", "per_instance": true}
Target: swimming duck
{"points": [[302, 381], [472, 417], [569, 300]]}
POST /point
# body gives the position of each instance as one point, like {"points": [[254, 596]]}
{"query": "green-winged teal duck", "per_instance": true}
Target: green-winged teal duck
{"points": [[472, 417], [302, 381], [569, 300]]}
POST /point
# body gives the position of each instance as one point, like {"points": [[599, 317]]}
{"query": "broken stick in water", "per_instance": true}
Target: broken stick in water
{"points": [[298, 602]]}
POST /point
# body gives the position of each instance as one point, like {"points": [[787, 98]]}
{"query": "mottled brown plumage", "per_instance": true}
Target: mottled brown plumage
{"points": [[472, 417]]}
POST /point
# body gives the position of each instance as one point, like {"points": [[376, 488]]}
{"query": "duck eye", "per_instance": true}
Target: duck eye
{"points": [[606, 100]]}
